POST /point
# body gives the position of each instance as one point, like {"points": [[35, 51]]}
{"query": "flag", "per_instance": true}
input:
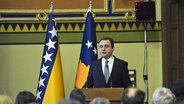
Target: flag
{"points": [[50, 87], [88, 51]]}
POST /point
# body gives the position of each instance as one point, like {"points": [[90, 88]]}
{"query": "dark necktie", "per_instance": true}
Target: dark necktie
{"points": [[106, 71]]}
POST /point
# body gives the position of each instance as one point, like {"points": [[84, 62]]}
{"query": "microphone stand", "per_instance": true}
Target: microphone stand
{"points": [[145, 70]]}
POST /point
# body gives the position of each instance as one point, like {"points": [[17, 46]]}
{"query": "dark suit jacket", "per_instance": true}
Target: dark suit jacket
{"points": [[179, 100], [119, 76]]}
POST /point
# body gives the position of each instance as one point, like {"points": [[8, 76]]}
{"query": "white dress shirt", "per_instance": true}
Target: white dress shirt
{"points": [[110, 64]]}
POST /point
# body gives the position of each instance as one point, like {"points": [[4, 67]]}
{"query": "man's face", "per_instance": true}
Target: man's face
{"points": [[106, 49]]}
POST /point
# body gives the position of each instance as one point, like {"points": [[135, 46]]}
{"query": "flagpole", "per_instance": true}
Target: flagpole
{"points": [[51, 6], [90, 5], [145, 70]]}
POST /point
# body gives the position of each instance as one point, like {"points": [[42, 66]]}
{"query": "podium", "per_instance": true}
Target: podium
{"points": [[113, 94]]}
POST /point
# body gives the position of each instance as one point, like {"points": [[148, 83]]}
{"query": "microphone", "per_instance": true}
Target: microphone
{"points": [[110, 82], [86, 84]]}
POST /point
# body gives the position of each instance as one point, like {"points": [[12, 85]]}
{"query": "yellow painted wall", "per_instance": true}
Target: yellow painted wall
{"points": [[20, 65]]}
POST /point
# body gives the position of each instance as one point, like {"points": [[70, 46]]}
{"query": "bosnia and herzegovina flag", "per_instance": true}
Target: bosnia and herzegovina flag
{"points": [[50, 88], [88, 51]]}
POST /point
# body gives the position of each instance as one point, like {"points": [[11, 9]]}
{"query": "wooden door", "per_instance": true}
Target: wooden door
{"points": [[172, 41]]}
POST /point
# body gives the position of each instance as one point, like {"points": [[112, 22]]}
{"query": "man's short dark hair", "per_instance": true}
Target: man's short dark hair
{"points": [[110, 39], [77, 94], [138, 98], [25, 97]]}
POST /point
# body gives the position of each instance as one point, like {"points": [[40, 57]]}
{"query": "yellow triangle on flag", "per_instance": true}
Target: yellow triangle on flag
{"points": [[55, 85]]}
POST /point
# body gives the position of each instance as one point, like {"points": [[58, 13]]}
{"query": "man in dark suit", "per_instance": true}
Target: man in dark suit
{"points": [[108, 71]]}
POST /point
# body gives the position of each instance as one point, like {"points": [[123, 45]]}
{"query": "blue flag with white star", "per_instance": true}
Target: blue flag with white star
{"points": [[50, 87], [88, 51]]}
